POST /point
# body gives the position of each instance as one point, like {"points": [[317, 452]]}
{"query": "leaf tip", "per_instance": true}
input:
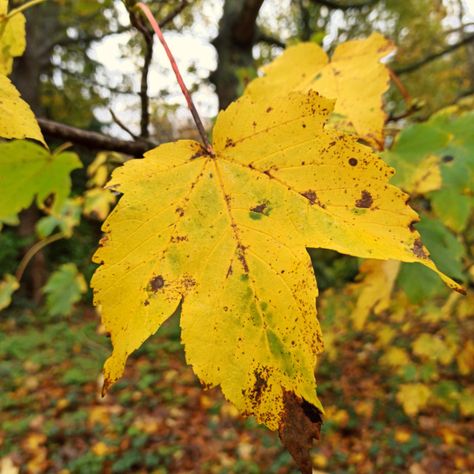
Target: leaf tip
{"points": [[300, 424]]}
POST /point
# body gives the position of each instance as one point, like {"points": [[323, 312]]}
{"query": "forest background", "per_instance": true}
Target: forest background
{"points": [[397, 374]]}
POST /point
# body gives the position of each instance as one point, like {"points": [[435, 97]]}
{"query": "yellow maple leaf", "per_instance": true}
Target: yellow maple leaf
{"points": [[375, 289], [465, 358], [225, 237], [16, 118], [12, 37], [354, 77], [413, 397]]}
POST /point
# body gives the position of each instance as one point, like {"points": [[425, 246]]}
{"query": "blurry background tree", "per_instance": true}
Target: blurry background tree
{"points": [[91, 74]]}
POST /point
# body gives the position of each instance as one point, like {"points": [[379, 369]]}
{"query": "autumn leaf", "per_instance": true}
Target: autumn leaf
{"points": [[378, 278], [438, 157], [413, 397], [63, 289], [8, 285], [225, 237], [354, 77], [12, 37], [28, 170], [16, 118]]}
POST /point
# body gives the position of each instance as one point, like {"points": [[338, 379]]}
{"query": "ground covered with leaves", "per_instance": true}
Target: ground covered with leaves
{"points": [[158, 419]]}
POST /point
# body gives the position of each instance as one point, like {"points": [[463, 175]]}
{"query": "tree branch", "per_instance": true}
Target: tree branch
{"points": [[270, 40], [93, 139], [433, 57], [345, 6], [244, 26]]}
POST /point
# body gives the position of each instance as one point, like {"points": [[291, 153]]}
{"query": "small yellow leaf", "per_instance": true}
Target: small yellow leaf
{"points": [[402, 435], [354, 77], [425, 177], [429, 346], [101, 449], [413, 397], [320, 460], [8, 285], [16, 118], [466, 402], [395, 357], [97, 203], [12, 37], [375, 289], [465, 359]]}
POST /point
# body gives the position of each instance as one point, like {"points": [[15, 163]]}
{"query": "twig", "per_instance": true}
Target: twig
{"points": [[93, 139], [136, 21], [184, 90], [23, 7], [172, 15], [402, 89], [347, 6], [122, 125], [432, 57], [33, 250]]}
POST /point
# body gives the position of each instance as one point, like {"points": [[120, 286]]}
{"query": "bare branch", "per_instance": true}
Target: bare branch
{"points": [[269, 39], [122, 125], [333, 5], [172, 15], [433, 57], [93, 139]]}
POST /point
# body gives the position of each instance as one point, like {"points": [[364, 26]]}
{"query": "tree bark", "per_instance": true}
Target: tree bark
{"points": [[234, 43]]}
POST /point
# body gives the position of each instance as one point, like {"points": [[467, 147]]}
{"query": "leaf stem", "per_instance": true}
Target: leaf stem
{"points": [[179, 78], [34, 249], [23, 7]]}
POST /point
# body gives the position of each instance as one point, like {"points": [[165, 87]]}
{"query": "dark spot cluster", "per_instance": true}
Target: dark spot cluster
{"points": [[419, 250], [229, 143], [179, 238], [365, 200], [312, 197]]}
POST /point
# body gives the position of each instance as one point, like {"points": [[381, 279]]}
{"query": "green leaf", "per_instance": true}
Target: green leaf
{"points": [[66, 218], [452, 208], [27, 170], [64, 288]]}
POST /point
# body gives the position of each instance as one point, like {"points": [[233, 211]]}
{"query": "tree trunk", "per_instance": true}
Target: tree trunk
{"points": [[234, 43]]}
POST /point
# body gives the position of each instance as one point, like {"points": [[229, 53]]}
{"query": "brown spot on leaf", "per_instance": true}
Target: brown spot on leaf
{"points": [[260, 208], [448, 158], [269, 109], [260, 384], [411, 226], [146, 303], [188, 282], [201, 152], [353, 161], [241, 257], [418, 249], [300, 425], [310, 195], [156, 283], [179, 238], [229, 143], [229, 271], [365, 200], [179, 211]]}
